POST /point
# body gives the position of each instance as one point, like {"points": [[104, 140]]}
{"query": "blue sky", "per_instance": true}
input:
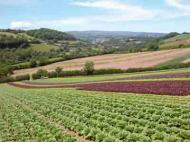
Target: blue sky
{"points": [[109, 15]]}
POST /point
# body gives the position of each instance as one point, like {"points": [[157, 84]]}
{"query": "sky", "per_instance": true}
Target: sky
{"points": [[108, 15]]}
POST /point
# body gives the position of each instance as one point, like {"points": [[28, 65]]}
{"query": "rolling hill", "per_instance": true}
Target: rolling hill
{"points": [[103, 35], [49, 34], [179, 41]]}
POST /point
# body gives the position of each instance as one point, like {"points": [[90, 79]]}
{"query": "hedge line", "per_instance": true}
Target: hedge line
{"points": [[96, 72], [108, 71], [14, 79]]}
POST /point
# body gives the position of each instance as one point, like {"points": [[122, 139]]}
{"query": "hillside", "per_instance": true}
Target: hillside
{"points": [[49, 34], [11, 40], [179, 41], [122, 61], [33, 48], [43, 46]]}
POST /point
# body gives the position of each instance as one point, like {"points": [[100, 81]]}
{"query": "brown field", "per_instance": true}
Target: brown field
{"points": [[122, 61], [175, 44]]}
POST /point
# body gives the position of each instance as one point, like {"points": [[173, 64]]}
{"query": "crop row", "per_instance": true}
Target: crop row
{"points": [[21, 125], [174, 88], [107, 117]]}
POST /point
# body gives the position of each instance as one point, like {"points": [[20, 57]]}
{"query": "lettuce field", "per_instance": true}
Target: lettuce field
{"points": [[69, 115]]}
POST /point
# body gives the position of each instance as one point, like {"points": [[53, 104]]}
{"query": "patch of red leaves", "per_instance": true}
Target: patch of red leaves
{"points": [[174, 88]]}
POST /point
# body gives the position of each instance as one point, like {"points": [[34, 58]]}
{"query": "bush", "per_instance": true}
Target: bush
{"points": [[22, 77], [108, 71], [6, 79], [89, 68], [13, 79], [5, 70], [33, 63], [21, 66], [58, 70], [40, 73]]}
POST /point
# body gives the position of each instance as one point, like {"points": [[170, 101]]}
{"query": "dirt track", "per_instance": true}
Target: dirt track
{"points": [[122, 61]]}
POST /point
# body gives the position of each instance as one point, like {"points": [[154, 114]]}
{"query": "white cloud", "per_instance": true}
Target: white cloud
{"points": [[20, 25], [48, 24], [121, 11], [180, 5], [115, 12]]}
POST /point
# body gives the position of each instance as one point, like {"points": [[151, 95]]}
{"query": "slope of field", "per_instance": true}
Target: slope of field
{"points": [[175, 61], [72, 115], [179, 41], [122, 61]]}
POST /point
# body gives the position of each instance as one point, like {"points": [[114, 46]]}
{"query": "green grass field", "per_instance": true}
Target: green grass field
{"points": [[70, 115], [43, 47]]}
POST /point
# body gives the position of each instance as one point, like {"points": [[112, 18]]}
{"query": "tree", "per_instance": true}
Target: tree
{"points": [[5, 70], [89, 67], [153, 45], [33, 63], [58, 70], [42, 73]]}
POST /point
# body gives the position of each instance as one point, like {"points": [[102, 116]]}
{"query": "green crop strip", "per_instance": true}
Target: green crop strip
{"points": [[20, 124], [100, 117]]}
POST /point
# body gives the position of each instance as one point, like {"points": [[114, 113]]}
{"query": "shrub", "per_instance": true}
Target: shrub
{"points": [[108, 71], [89, 68], [33, 63], [22, 77], [20, 66], [71, 73], [58, 70], [13, 79], [42, 73]]}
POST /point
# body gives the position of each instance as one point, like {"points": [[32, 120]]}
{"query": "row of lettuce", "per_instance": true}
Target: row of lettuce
{"points": [[20, 124], [111, 118]]}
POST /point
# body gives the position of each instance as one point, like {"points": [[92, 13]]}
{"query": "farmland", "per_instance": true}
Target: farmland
{"points": [[74, 115], [122, 61], [129, 107]]}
